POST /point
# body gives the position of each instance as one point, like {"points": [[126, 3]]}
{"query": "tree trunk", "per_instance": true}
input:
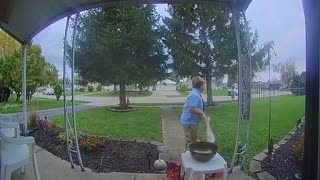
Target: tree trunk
{"points": [[209, 89], [122, 96], [140, 87], [115, 88]]}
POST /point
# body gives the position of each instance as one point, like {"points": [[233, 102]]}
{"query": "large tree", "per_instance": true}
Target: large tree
{"points": [[39, 72], [120, 45], [201, 40]]}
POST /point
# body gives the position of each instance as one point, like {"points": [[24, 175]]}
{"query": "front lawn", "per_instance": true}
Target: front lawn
{"points": [[112, 94], [285, 112], [143, 123], [37, 104]]}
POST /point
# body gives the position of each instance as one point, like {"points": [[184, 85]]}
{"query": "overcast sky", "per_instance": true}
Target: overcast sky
{"points": [[281, 21]]}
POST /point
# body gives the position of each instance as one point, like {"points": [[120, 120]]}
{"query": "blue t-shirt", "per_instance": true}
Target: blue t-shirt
{"points": [[194, 99]]}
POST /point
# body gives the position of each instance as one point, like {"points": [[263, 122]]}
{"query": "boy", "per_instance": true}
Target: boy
{"points": [[193, 111]]}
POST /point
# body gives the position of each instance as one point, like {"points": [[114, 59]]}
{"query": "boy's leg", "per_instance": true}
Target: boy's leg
{"points": [[194, 133], [187, 136]]}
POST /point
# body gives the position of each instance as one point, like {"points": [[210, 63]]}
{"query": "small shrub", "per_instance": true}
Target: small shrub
{"points": [[53, 129], [33, 119], [62, 136], [183, 88], [298, 147], [90, 88], [90, 143], [82, 89], [58, 91], [99, 87]]}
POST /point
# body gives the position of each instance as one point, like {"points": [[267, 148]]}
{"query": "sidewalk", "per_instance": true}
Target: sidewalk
{"points": [[172, 134]]}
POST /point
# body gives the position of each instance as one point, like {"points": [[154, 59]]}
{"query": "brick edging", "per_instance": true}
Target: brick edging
{"points": [[255, 164]]}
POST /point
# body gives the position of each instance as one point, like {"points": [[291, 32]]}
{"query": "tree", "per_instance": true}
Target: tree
{"points": [[7, 44], [58, 91], [298, 84], [39, 72], [201, 40], [120, 45], [287, 71]]}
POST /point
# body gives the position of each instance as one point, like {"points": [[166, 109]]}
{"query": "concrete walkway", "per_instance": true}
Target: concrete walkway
{"points": [[174, 140], [173, 135]]}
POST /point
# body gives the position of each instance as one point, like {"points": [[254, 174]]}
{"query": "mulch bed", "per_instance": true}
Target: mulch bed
{"points": [[112, 156], [283, 164]]}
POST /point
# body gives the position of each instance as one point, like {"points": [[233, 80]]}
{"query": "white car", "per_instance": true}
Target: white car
{"points": [[48, 91]]}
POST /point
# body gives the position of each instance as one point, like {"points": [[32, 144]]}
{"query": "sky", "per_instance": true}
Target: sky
{"points": [[279, 21]]}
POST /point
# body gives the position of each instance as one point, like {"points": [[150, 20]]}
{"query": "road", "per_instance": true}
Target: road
{"points": [[156, 97]]}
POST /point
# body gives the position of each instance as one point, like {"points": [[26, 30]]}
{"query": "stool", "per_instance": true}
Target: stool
{"points": [[193, 167]]}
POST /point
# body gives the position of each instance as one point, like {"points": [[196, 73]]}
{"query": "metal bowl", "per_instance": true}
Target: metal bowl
{"points": [[203, 151]]}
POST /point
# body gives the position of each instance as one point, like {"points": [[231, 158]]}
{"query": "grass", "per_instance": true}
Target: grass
{"points": [[285, 112], [37, 104], [156, 104], [143, 123], [112, 94]]}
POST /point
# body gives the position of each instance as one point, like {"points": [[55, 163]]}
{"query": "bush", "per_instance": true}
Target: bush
{"points": [[53, 129], [62, 136], [90, 143], [183, 88], [90, 88], [99, 87], [82, 89], [58, 91], [298, 147]]}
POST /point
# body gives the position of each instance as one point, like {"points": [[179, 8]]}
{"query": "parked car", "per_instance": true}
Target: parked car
{"points": [[48, 91]]}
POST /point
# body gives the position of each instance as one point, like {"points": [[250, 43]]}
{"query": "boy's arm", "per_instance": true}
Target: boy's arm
{"points": [[193, 103], [196, 111]]}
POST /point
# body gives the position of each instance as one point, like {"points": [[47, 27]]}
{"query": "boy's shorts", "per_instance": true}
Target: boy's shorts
{"points": [[191, 134]]}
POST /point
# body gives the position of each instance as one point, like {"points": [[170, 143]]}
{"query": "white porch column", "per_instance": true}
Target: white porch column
{"points": [[24, 88]]}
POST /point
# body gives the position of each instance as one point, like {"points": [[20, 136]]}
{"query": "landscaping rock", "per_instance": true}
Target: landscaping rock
{"points": [[282, 142], [276, 146], [287, 137], [260, 157], [156, 143], [163, 148], [265, 176], [255, 166]]}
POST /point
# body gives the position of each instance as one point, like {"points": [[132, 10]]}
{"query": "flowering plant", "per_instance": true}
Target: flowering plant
{"points": [[90, 143]]}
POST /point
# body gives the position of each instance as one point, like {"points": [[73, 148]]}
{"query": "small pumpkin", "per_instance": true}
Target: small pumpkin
{"points": [[160, 165]]}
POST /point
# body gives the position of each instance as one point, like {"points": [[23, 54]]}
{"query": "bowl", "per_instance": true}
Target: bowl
{"points": [[203, 151]]}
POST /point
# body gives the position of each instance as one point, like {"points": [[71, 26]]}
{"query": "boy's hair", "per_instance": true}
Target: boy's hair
{"points": [[197, 82]]}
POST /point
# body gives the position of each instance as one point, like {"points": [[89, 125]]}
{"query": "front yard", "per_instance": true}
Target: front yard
{"points": [[143, 123], [285, 112]]}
